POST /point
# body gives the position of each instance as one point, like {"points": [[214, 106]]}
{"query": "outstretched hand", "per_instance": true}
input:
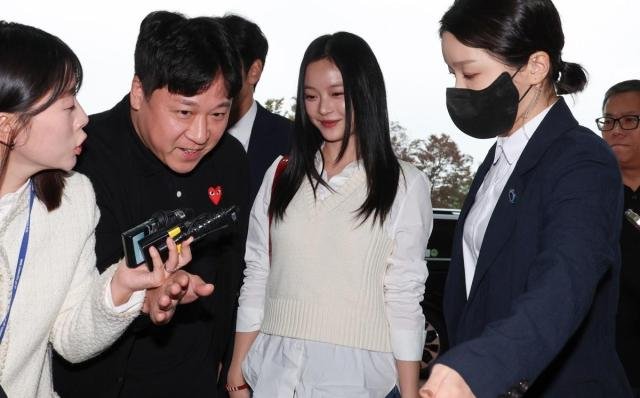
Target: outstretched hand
{"points": [[127, 280], [180, 287], [166, 285]]}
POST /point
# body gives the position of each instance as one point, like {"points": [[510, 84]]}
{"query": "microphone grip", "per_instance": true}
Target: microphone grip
{"points": [[198, 228], [162, 247]]}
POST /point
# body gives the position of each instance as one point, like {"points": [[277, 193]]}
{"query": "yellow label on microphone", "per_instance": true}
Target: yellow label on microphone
{"points": [[174, 232]]}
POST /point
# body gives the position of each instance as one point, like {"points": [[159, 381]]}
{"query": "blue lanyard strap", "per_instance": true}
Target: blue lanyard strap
{"points": [[21, 257]]}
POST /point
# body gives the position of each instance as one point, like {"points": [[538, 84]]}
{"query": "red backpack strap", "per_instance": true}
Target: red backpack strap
{"points": [[282, 165]]}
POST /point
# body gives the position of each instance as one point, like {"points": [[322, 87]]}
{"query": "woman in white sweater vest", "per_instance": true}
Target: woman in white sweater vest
{"points": [[51, 295], [335, 252]]}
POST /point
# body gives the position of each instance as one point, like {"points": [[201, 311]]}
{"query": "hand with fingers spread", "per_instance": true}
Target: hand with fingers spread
{"points": [[445, 382], [180, 287], [127, 280]]}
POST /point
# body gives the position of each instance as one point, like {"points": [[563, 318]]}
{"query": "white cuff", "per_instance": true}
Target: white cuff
{"points": [[407, 345], [249, 319], [134, 303]]}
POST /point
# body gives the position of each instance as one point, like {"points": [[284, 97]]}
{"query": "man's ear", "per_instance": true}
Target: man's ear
{"points": [[254, 73], [136, 95], [538, 67]]}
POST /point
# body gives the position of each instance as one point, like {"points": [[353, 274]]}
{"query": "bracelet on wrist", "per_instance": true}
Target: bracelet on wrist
{"points": [[236, 388]]}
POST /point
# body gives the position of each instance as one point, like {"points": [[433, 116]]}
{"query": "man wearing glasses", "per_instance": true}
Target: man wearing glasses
{"points": [[620, 129]]}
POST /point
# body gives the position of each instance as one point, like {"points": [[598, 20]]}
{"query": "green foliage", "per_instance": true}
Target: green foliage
{"points": [[438, 156], [277, 105]]}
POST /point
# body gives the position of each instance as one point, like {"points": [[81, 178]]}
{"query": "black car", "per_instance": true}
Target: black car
{"points": [[438, 256]]}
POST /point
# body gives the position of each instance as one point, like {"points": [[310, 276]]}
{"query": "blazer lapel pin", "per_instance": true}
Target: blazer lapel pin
{"points": [[513, 197]]}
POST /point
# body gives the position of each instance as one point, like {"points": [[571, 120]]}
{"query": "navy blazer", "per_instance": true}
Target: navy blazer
{"points": [[540, 314], [270, 137]]}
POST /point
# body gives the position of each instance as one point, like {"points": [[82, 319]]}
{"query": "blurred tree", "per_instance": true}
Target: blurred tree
{"points": [[400, 142], [438, 156], [277, 105]]}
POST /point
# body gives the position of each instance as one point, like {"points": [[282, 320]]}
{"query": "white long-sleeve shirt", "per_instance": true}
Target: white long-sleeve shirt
{"points": [[508, 151], [408, 225]]}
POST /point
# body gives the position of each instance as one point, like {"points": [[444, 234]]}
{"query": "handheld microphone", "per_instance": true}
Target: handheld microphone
{"points": [[131, 238], [198, 228]]}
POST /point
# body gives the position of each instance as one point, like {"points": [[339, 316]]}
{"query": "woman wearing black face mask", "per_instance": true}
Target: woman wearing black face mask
{"points": [[531, 295]]}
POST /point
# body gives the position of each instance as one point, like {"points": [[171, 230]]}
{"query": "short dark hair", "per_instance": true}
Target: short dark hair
{"points": [[248, 38], [185, 54], [365, 109], [621, 87], [512, 30], [35, 65]]}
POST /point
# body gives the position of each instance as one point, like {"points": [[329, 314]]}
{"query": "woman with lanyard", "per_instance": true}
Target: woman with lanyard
{"points": [[50, 292], [531, 293]]}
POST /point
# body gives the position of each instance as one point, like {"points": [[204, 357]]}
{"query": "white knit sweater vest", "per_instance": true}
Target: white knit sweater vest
{"points": [[327, 270]]}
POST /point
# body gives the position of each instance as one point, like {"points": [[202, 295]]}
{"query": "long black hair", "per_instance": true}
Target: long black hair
{"points": [[512, 30], [34, 65], [365, 109]]}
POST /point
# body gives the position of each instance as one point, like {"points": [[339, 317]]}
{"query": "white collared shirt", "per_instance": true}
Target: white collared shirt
{"points": [[242, 129], [508, 151], [285, 358]]}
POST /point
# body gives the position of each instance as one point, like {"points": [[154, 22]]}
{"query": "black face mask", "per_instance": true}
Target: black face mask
{"points": [[485, 113]]}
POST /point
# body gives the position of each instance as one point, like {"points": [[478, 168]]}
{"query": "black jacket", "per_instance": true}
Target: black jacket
{"points": [[181, 358], [628, 319]]}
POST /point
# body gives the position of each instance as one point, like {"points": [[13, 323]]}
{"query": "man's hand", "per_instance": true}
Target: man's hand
{"points": [[180, 287], [445, 382]]}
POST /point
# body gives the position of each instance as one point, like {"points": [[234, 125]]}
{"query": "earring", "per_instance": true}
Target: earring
{"points": [[532, 104]]}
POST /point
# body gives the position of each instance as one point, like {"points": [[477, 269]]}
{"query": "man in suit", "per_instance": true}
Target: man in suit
{"points": [[163, 147], [621, 130], [263, 134]]}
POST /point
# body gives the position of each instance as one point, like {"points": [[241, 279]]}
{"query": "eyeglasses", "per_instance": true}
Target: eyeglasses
{"points": [[628, 122]]}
